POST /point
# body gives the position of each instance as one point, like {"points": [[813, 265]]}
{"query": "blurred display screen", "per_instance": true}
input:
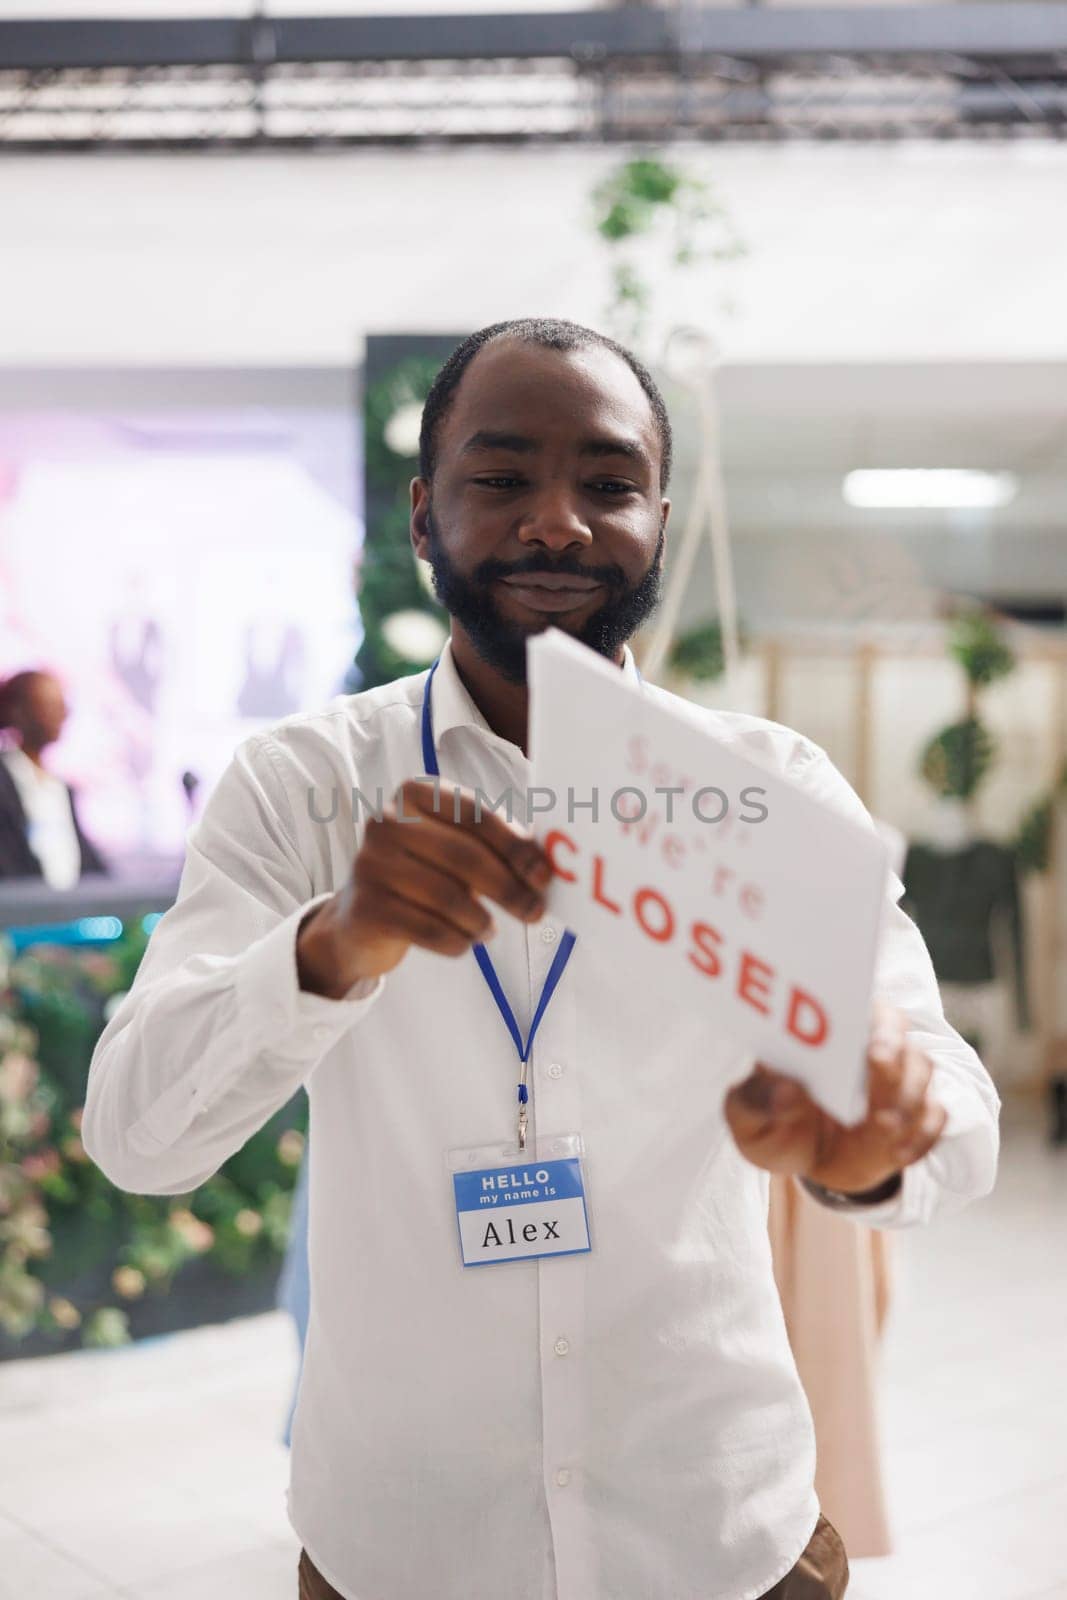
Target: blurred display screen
{"points": [[189, 577]]}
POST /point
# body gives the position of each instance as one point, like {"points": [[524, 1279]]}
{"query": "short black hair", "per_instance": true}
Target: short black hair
{"points": [[552, 334]]}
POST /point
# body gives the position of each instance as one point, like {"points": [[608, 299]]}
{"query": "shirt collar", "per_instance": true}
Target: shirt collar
{"points": [[453, 707], [22, 769]]}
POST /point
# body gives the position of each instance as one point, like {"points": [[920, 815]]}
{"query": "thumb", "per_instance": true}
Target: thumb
{"points": [[761, 1101]]}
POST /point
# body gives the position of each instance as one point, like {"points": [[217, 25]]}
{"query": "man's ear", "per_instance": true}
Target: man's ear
{"points": [[420, 508], [665, 512]]}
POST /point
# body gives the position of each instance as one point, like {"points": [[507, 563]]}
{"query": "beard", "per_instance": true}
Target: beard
{"points": [[501, 642]]}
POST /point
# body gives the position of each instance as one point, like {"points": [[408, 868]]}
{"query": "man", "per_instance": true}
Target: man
{"points": [[622, 1424], [40, 835]]}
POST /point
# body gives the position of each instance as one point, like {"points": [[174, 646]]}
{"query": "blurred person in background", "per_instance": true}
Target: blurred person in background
{"points": [[40, 836]]}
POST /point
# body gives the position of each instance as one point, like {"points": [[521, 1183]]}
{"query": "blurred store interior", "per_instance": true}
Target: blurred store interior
{"points": [[234, 248]]}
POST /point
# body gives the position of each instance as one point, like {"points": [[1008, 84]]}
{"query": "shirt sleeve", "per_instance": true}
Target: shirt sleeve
{"points": [[215, 1034], [962, 1165]]}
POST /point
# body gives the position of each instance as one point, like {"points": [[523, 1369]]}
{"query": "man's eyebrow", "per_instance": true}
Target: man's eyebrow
{"points": [[616, 447], [488, 439]]}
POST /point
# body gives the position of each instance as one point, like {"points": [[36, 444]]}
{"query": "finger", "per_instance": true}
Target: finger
{"points": [[463, 856], [886, 1053], [888, 1032], [907, 1096], [923, 1137], [422, 884], [762, 1101], [398, 918], [885, 1015], [463, 809], [773, 1126]]}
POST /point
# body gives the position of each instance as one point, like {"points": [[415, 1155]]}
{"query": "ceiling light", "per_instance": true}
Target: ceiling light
{"points": [[928, 488]]}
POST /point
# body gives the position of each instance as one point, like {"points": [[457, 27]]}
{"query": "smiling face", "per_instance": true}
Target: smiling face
{"points": [[545, 505]]}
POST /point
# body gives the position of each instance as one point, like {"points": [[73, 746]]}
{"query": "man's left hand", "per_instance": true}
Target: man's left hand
{"points": [[778, 1126]]}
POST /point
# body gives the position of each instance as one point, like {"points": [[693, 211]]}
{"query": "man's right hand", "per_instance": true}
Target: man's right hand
{"points": [[421, 882]]}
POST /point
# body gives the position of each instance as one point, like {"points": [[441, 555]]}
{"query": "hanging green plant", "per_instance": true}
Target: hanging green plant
{"points": [[698, 653], [956, 760], [648, 196], [979, 646], [1033, 841], [628, 197]]}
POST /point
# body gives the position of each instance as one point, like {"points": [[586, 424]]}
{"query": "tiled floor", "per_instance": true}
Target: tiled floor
{"points": [[156, 1473]]}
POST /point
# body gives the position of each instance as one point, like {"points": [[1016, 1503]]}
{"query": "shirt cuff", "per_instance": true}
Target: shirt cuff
{"points": [[279, 1019]]}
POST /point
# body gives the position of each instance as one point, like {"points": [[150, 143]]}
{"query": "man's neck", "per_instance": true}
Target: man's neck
{"points": [[32, 752], [503, 704]]}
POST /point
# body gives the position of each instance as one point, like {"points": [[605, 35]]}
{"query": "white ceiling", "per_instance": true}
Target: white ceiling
{"points": [[790, 433]]}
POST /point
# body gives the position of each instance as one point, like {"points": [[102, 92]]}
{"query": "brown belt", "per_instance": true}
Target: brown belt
{"points": [[820, 1574]]}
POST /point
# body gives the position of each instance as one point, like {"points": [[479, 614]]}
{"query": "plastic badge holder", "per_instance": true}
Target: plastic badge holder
{"points": [[514, 1205]]}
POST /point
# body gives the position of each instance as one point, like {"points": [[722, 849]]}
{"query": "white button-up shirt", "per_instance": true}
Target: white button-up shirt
{"points": [[620, 1425], [50, 830]]}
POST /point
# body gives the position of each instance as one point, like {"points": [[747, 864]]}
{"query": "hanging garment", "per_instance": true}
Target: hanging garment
{"points": [[833, 1282], [956, 897]]}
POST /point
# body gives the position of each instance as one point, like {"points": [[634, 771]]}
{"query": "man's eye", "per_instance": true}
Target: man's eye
{"points": [[610, 486]]}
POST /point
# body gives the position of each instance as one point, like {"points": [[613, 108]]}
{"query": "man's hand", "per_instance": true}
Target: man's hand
{"points": [[420, 882], [778, 1126]]}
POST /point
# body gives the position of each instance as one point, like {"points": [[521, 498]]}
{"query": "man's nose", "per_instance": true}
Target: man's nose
{"points": [[555, 522]]}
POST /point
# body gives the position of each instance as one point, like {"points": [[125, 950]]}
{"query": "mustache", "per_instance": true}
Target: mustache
{"points": [[491, 570]]}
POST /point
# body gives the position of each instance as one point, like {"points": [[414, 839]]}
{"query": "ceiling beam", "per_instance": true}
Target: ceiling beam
{"points": [[1002, 31]]}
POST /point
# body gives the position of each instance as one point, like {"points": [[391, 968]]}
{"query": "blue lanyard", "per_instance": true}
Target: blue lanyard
{"points": [[481, 954]]}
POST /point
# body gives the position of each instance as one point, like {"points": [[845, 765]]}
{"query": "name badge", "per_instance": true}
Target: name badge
{"points": [[512, 1205]]}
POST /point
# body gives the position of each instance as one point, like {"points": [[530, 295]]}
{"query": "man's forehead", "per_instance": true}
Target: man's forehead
{"points": [[525, 378]]}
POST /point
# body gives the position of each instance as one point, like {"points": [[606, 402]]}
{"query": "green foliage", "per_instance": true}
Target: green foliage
{"points": [[389, 580], [61, 1221], [651, 200], [106, 1328], [626, 200], [1033, 841], [698, 653], [61, 993], [978, 645], [404, 385], [956, 760]]}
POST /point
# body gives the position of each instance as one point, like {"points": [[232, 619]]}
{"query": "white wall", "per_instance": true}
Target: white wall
{"points": [[864, 253]]}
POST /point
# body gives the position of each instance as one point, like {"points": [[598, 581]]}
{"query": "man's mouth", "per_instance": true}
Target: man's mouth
{"points": [[551, 591]]}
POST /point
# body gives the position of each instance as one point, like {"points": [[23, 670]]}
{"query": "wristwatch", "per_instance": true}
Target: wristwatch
{"points": [[838, 1200]]}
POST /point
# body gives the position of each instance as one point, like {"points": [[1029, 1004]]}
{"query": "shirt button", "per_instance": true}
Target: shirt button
{"points": [[563, 1477], [555, 1069], [548, 934], [561, 1347]]}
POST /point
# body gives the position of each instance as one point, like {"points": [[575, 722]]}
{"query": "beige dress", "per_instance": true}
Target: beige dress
{"points": [[833, 1279]]}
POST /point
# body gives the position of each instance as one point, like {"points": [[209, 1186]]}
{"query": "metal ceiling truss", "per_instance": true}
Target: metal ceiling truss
{"points": [[637, 72]]}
